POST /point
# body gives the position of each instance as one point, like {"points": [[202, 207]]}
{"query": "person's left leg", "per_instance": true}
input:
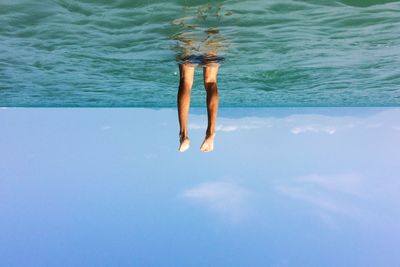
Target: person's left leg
{"points": [[183, 99], [210, 72]]}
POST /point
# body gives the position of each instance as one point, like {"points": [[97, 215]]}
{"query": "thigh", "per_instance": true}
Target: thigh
{"points": [[210, 72], [186, 72]]}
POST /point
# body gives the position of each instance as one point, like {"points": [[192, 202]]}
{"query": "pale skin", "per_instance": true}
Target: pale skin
{"points": [[210, 72]]}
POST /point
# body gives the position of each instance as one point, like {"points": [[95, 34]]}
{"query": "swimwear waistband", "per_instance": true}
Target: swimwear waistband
{"points": [[201, 59]]}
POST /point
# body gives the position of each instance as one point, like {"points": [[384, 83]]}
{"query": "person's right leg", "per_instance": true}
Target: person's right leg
{"points": [[185, 86]]}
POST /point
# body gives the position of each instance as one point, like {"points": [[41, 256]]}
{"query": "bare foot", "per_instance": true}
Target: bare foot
{"points": [[208, 143], [184, 143]]}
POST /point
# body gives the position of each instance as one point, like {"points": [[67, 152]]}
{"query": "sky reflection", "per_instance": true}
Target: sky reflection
{"points": [[290, 187]]}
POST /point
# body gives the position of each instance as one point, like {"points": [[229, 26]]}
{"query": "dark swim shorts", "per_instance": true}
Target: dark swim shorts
{"points": [[201, 59]]}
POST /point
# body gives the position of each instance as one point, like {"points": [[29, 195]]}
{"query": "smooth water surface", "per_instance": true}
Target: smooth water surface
{"points": [[123, 53], [284, 187]]}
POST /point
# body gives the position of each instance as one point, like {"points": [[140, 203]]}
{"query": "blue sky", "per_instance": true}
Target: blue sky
{"points": [[287, 187]]}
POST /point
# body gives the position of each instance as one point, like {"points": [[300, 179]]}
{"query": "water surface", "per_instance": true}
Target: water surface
{"points": [[278, 53]]}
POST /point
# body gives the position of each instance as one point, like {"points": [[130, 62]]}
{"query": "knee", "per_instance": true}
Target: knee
{"points": [[184, 82], [210, 85]]}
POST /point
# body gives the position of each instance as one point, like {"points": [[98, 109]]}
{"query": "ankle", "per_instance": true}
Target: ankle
{"points": [[210, 134], [183, 135]]}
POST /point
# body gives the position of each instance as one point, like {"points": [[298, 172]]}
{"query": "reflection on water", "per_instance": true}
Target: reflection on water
{"points": [[198, 32]]}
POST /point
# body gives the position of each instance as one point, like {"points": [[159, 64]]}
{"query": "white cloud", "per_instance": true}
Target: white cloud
{"points": [[329, 196], [349, 183], [106, 127], [351, 125], [373, 125], [313, 129], [222, 127], [222, 198], [318, 200], [227, 128], [195, 126]]}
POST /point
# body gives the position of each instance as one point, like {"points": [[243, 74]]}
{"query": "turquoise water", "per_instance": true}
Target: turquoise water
{"points": [[278, 53]]}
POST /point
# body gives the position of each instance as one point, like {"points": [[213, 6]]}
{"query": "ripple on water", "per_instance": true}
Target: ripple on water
{"points": [[122, 53]]}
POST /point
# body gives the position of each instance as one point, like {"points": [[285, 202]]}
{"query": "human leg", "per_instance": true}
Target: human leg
{"points": [[210, 72], [183, 99]]}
